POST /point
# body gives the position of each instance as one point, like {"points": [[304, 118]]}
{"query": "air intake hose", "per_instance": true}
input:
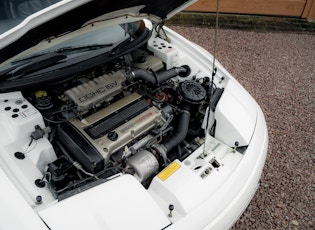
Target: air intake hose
{"points": [[159, 77], [181, 131]]}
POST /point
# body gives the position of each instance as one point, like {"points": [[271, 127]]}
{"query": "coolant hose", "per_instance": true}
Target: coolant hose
{"points": [[181, 131], [159, 77]]}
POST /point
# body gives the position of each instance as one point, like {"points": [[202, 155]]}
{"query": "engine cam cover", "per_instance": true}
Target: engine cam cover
{"points": [[97, 90], [111, 128]]}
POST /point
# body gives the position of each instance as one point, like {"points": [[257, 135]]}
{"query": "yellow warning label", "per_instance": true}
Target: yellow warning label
{"points": [[168, 171]]}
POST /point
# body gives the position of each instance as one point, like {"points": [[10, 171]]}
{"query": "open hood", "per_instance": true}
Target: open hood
{"points": [[24, 31], [111, 120]]}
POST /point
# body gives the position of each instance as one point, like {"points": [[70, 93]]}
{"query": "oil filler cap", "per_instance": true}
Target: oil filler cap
{"points": [[112, 135]]}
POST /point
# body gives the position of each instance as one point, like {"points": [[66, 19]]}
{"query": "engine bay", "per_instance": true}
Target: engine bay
{"points": [[128, 118], [134, 114], [112, 115]]}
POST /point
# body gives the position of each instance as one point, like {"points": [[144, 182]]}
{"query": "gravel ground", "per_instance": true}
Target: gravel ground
{"points": [[278, 69]]}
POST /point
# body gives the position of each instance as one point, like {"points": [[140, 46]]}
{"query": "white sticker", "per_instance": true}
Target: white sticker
{"points": [[28, 112]]}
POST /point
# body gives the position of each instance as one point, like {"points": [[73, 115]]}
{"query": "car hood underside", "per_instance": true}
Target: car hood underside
{"points": [[64, 21]]}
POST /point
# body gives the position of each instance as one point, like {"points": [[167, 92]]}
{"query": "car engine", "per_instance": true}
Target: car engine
{"points": [[132, 115]]}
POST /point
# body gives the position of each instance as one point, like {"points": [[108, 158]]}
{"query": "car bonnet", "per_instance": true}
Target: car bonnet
{"points": [[66, 16]]}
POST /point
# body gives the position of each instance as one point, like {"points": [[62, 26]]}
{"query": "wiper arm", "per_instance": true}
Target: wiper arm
{"points": [[75, 49], [120, 46], [35, 64], [64, 50]]}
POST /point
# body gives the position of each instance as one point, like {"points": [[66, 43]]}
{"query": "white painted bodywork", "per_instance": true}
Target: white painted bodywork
{"points": [[212, 200]]}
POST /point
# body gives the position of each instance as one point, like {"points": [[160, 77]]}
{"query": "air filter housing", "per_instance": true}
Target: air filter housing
{"points": [[192, 91]]}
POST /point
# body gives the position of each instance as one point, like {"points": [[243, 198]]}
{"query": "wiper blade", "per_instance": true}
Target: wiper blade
{"points": [[74, 49], [33, 65], [64, 50], [5, 71]]}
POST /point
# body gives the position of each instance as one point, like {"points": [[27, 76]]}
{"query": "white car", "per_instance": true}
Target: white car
{"points": [[110, 120]]}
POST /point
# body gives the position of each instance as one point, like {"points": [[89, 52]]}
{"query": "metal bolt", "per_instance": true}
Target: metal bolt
{"points": [[235, 146], [39, 199], [171, 208]]}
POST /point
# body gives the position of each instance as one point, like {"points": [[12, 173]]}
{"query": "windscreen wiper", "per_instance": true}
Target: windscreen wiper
{"points": [[64, 50], [74, 65], [35, 64], [31, 64], [75, 49], [120, 47]]}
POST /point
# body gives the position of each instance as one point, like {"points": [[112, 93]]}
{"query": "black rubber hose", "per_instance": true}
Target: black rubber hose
{"points": [[181, 131], [159, 77]]}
